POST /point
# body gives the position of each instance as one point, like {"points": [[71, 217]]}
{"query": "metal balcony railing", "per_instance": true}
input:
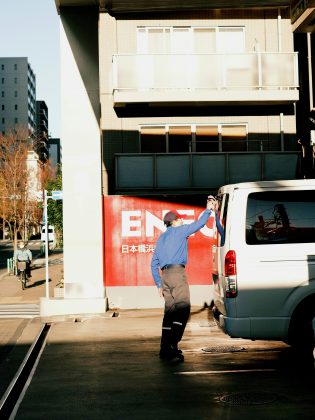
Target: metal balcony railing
{"points": [[196, 171], [246, 71]]}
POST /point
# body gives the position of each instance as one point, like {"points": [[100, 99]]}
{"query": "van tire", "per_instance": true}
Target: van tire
{"points": [[301, 333]]}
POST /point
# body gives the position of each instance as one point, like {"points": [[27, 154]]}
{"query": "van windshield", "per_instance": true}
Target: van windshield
{"points": [[280, 217]]}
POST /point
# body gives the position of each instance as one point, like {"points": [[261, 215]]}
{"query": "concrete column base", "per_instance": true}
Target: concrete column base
{"points": [[52, 307]]}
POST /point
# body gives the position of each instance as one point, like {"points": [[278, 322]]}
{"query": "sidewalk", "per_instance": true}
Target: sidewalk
{"points": [[10, 287], [18, 333]]}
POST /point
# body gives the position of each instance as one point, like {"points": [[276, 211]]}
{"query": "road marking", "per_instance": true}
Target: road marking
{"points": [[23, 310], [216, 372]]}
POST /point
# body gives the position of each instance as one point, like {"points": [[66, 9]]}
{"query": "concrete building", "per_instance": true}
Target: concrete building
{"points": [[193, 95], [17, 94], [55, 151], [18, 105], [41, 138]]}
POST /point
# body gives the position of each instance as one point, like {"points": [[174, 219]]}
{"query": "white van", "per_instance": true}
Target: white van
{"points": [[264, 268], [51, 234]]}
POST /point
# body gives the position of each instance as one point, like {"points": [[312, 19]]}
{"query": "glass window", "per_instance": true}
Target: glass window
{"points": [[181, 39], [2, 80], [204, 40], [2, 94], [230, 40], [152, 139], [179, 139], [207, 138], [2, 66], [280, 217], [15, 93], [201, 138], [15, 107], [234, 138], [190, 39], [153, 40], [2, 107], [15, 66]]}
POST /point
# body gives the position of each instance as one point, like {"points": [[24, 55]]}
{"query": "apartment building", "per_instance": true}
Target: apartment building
{"points": [[18, 105], [192, 95], [55, 151], [17, 93], [41, 134]]}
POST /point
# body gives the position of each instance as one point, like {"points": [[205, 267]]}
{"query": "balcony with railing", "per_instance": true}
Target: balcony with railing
{"points": [[188, 172], [249, 78]]}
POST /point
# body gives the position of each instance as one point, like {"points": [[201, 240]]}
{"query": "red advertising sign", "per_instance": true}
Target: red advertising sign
{"points": [[132, 226]]}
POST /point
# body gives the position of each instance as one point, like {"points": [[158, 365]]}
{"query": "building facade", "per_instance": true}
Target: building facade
{"points": [[41, 134], [193, 96], [55, 151], [18, 94]]}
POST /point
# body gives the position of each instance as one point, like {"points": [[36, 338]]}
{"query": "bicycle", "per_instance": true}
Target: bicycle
{"points": [[22, 268]]}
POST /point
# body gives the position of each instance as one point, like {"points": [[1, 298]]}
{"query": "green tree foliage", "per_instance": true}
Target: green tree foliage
{"points": [[55, 207]]}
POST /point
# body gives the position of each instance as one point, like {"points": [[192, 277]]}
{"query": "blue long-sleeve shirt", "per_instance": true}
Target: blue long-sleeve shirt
{"points": [[172, 246], [220, 228]]}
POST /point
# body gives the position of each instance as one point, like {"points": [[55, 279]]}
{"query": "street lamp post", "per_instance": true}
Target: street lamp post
{"points": [[45, 216], [56, 195]]}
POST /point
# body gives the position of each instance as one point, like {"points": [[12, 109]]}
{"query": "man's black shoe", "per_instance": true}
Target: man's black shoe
{"points": [[171, 353], [177, 349]]}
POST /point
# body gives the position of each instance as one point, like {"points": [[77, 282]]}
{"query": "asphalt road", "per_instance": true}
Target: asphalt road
{"points": [[105, 367], [108, 368]]}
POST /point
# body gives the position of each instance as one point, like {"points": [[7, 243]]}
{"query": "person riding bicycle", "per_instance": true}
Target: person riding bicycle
{"points": [[24, 254]]}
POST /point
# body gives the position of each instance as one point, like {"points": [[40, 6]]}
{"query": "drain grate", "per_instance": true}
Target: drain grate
{"points": [[248, 398], [223, 349]]}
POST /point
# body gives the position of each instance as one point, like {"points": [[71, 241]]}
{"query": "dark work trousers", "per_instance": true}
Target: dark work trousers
{"points": [[177, 306]]}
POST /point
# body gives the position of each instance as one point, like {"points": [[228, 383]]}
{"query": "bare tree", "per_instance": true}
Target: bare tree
{"points": [[20, 208]]}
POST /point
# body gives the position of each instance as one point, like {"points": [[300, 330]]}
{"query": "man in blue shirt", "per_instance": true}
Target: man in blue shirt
{"points": [[170, 255]]}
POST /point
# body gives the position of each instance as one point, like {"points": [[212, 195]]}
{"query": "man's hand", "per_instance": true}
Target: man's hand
{"points": [[211, 203], [160, 290]]}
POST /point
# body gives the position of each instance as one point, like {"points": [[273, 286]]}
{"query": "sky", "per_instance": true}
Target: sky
{"points": [[30, 28]]}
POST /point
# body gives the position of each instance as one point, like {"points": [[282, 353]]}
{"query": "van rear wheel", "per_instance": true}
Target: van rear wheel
{"points": [[301, 334]]}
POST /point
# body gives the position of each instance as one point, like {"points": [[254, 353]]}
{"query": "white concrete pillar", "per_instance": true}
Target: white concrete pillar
{"points": [[81, 163]]}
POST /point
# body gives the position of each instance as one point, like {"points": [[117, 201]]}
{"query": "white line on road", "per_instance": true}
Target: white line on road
{"points": [[216, 372]]}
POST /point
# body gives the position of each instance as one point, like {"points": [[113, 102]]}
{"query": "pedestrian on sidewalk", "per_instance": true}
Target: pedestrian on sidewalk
{"points": [[170, 256]]}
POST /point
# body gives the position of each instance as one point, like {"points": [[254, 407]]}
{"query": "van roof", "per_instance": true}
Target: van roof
{"points": [[308, 183]]}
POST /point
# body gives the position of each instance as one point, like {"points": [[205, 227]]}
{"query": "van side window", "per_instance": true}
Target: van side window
{"points": [[280, 217]]}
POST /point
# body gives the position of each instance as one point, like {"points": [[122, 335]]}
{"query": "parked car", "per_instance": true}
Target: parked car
{"points": [[264, 266], [51, 236]]}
